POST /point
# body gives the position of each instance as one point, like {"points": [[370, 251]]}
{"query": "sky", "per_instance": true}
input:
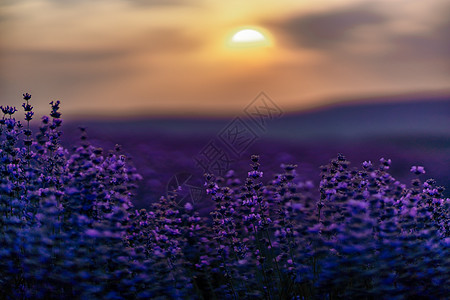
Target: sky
{"points": [[125, 58]]}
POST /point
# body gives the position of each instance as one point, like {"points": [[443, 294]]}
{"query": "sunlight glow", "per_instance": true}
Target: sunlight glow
{"points": [[248, 35], [248, 38]]}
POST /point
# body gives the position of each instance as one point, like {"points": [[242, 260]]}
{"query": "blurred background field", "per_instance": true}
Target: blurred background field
{"points": [[410, 133]]}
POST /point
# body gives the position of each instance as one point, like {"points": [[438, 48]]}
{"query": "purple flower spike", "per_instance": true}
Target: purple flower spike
{"points": [[26, 96], [418, 170]]}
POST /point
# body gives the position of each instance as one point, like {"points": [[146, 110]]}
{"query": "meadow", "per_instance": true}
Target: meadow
{"points": [[91, 222]]}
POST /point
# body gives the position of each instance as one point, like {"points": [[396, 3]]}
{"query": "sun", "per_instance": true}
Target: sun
{"points": [[248, 38]]}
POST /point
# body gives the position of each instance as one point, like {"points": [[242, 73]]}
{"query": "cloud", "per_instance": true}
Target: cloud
{"points": [[6, 3], [74, 56], [432, 44], [371, 35], [146, 3], [420, 46], [3, 17], [65, 69], [154, 41], [81, 72], [329, 29], [168, 40], [138, 3]]}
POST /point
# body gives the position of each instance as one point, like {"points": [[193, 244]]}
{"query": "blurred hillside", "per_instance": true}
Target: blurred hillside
{"points": [[410, 133]]}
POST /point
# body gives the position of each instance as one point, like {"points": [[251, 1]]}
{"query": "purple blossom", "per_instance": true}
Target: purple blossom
{"points": [[7, 110], [255, 174], [417, 170], [367, 164]]}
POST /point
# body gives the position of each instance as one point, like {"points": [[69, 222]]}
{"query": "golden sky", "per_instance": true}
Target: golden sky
{"points": [[173, 57]]}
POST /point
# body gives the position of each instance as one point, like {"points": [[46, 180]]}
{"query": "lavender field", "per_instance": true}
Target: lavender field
{"points": [[407, 133], [331, 204]]}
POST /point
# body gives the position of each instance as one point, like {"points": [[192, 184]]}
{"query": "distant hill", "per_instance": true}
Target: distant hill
{"points": [[425, 118], [369, 120]]}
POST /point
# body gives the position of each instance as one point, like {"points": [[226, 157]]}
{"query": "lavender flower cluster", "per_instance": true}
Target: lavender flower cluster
{"points": [[69, 229]]}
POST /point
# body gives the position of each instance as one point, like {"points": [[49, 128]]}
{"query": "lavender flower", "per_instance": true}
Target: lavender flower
{"points": [[7, 110], [417, 170]]}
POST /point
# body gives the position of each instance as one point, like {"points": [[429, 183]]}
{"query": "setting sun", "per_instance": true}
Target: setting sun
{"points": [[248, 38]]}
